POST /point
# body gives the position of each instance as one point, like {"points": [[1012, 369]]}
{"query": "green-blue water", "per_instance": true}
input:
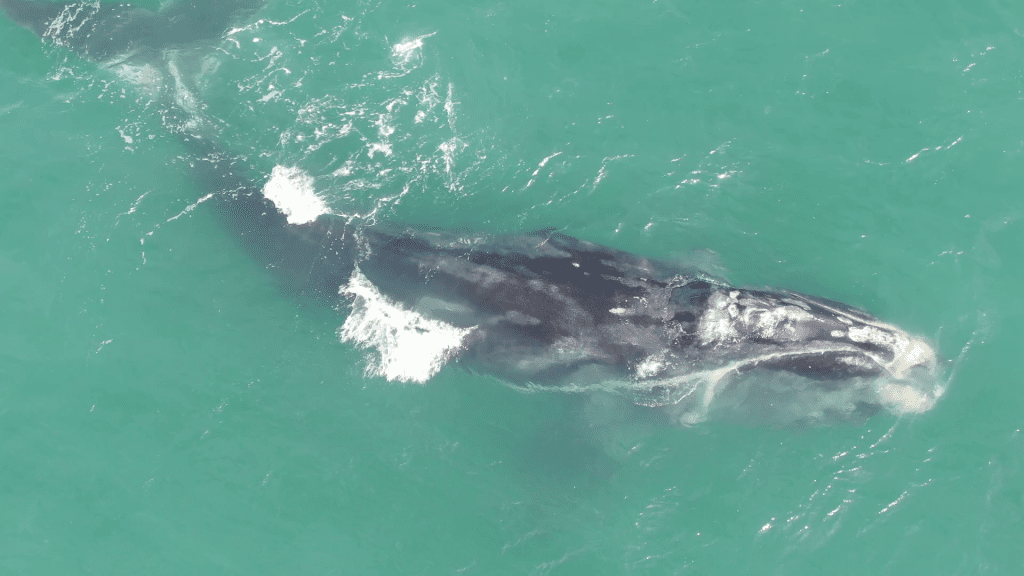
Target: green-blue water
{"points": [[166, 409]]}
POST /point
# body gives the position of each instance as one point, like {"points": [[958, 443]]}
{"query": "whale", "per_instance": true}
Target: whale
{"points": [[538, 311]]}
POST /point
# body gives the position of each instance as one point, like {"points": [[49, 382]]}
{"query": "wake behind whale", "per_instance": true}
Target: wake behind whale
{"points": [[540, 311]]}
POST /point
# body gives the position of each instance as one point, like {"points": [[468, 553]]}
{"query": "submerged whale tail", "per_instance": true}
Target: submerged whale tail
{"points": [[312, 259], [304, 256], [102, 30], [36, 16]]}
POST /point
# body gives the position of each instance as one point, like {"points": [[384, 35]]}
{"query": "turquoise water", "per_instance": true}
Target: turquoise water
{"points": [[166, 409]]}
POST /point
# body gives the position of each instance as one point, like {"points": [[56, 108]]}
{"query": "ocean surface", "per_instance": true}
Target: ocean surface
{"points": [[165, 408]]}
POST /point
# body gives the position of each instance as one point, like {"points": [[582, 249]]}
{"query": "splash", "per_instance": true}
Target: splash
{"points": [[408, 54], [291, 190], [412, 348]]}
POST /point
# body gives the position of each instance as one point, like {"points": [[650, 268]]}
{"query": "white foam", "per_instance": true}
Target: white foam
{"points": [[905, 399], [145, 77], [291, 191], [651, 366], [412, 347], [408, 52]]}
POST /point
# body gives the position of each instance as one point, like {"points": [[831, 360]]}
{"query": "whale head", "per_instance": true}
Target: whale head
{"points": [[798, 353]]}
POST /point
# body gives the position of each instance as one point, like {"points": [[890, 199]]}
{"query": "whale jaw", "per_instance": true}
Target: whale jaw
{"points": [[780, 357]]}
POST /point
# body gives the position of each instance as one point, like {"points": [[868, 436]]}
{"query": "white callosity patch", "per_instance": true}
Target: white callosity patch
{"points": [[907, 351], [651, 366], [874, 335], [412, 347], [912, 353], [291, 191], [729, 313], [778, 322], [716, 324]]}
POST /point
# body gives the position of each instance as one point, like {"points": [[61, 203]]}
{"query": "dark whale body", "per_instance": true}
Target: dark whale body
{"points": [[540, 310], [101, 30], [545, 310]]}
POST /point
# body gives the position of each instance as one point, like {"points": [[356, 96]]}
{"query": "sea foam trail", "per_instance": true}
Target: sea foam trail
{"points": [[412, 348]]}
